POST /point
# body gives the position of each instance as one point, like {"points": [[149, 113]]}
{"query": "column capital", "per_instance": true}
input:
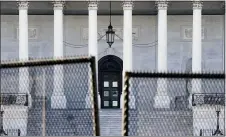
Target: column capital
{"points": [[23, 4], [58, 4], [162, 4], [197, 4], [93, 4], [127, 4]]}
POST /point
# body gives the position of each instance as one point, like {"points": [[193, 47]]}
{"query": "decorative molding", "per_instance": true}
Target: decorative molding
{"points": [[23, 5], [110, 51], [93, 5], [32, 33], [186, 33], [162, 5], [197, 4], [118, 32], [58, 4], [127, 4]]}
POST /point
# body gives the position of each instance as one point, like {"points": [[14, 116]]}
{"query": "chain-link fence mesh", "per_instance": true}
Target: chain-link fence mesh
{"points": [[50, 98], [173, 104]]}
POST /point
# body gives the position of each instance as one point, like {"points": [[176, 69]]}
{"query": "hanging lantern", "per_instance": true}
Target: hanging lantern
{"points": [[110, 35]]}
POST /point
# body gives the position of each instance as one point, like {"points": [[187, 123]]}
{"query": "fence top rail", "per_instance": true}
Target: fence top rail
{"points": [[46, 62], [202, 75]]}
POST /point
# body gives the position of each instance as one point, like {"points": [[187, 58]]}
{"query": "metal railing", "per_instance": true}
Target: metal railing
{"points": [[14, 99], [208, 98], [209, 132], [13, 132]]}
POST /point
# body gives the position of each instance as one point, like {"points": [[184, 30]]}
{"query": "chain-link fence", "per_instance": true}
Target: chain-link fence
{"points": [[173, 104], [50, 98]]}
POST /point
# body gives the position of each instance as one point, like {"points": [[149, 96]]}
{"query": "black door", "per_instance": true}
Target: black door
{"points": [[111, 89], [110, 81]]}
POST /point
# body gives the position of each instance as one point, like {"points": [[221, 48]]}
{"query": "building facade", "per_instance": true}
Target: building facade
{"points": [[150, 36]]}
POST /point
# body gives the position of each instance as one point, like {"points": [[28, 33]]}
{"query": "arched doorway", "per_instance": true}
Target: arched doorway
{"points": [[110, 81]]}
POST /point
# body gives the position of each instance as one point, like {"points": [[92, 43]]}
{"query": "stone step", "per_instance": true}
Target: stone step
{"points": [[63, 122], [110, 122]]}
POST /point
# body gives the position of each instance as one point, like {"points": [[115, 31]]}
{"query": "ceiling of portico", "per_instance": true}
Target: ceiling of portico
{"points": [[140, 8]]}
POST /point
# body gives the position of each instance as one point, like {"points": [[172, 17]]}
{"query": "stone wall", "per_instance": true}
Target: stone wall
{"points": [[144, 39]]}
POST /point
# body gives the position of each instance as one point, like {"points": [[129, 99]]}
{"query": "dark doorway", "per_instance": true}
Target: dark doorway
{"points": [[110, 81]]}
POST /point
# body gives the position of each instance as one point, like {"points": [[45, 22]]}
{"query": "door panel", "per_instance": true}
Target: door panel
{"points": [[110, 89]]}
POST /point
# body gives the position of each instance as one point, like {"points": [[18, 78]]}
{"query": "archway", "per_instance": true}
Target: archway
{"points": [[110, 81]]}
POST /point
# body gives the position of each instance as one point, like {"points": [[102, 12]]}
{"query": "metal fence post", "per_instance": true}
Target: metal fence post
{"points": [[95, 98], [125, 109]]}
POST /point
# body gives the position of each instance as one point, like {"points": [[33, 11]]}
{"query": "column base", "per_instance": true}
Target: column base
{"points": [[161, 101], [58, 102]]}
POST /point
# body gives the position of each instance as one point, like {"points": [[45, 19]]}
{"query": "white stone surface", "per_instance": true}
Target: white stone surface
{"points": [[128, 44], [23, 72], [58, 102], [162, 99], [92, 34], [179, 49], [58, 99], [15, 117]]}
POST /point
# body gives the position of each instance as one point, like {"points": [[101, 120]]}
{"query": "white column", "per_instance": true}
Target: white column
{"points": [[58, 29], [162, 99], [93, 7], [23, 46], [58, 99], [127, 45], [197, 37], [196, 46], [93, 48], [15, 117], [224, 58], [197, 62], [23, 30], [23, 56]]}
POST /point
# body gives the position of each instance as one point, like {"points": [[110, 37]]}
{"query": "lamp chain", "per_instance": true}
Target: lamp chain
{"points": [[110, 12]]}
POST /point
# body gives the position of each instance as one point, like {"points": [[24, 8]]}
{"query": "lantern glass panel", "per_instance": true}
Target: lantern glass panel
{"points": [[112, 37], [107, 36]]}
